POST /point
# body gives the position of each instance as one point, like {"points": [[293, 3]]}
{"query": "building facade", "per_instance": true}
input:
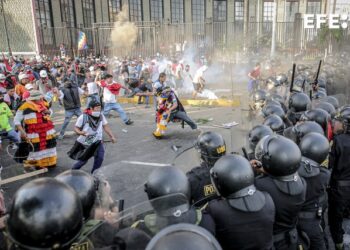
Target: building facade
{"points": [[40, 25]]}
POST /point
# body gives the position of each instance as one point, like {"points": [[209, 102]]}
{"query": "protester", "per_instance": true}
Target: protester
{"points": [[36, 127], [90, 126], [110, 91], [70, 97], [6, 130]]}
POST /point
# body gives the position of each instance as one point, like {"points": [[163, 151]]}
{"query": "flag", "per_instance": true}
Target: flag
{"points": [[82, 41]]}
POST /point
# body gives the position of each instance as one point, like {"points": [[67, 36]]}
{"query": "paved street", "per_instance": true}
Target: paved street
{"points": [[136, 153]]}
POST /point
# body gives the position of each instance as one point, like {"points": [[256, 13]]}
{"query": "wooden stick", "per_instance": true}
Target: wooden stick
{"points": [[23, 176]]}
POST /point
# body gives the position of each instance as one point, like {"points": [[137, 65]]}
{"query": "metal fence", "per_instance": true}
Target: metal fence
{"points": [[215, 39]]}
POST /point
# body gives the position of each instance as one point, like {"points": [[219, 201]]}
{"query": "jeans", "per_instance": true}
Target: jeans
{"points": [[183, 116], [251, 85], [68, 116], [92, 97], [11, 135], [115, 106], [98, 159]]}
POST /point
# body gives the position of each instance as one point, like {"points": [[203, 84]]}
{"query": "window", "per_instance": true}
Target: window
{"points": [[68, 12], [219, 10], [43, 12], [313, 7], [156, 9], [88, 12], [292, 7], [198, 11], [135, 10], [268, 11], [177, 11], [341, 6], [114, 6], [239, 10]]}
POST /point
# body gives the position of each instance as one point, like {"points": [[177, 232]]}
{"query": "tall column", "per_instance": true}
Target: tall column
{"points": [[146, 10]]}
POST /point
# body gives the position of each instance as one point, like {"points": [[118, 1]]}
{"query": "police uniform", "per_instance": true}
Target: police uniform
{"points": [[310, 216], [339, 192], [202, 190], [288, 197], [236, 225]]}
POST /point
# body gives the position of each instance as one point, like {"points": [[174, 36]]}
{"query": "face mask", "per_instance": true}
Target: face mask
{"points": [[96, 113]]}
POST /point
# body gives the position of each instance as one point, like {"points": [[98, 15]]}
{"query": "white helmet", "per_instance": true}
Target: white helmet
{"points": [[22, 76], [43, 73], [2, 77]]}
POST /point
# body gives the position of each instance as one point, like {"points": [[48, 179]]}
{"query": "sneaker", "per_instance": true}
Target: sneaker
{"points": [[129, 122], [60, 137]]}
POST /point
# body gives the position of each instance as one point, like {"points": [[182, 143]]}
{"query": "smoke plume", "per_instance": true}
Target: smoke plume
{"points": [[123, 35]]}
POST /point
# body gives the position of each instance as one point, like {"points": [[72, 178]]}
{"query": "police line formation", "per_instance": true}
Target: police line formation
{"points": [[276, 196]]}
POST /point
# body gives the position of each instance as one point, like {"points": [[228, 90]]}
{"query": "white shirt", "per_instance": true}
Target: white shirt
{"points": [[179, 70], [86, 128], [92, 88], [197, 76], [108, 96]]}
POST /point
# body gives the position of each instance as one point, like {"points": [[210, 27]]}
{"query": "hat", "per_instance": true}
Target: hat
{"points": [[22, 76], [94, 103], [106, 75], [43, 73], [29, 86], [34, 95], [2, 77]]}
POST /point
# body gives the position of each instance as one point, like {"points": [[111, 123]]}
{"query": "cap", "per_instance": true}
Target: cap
{"points": [[43, 73]]}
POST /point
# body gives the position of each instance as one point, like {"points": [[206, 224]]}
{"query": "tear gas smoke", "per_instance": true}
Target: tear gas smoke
{"points": [[124, 34]]}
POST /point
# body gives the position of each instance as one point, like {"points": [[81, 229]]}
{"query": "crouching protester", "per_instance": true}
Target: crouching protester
{"points": [[169, 108], [90, 126]]}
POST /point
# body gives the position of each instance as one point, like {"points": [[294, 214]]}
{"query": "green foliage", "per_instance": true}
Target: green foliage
{"points": [[325, 34]]}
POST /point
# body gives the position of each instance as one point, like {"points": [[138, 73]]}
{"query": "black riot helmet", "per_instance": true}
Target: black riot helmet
{"points": [[329, 108], [45, 214], [279, 156], [301, 129], [232, 176], [168, 182], [84, 185], [299, 102], [211, 146], [282, 79], [271, 109], [260, 96], [318, 115], [344, 117], [257, 133], [315, 147], [275, 123], [332, 100], [183, 236]]}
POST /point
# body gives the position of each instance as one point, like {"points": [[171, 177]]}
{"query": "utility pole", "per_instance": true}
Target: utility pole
{"points": [[5, 25], [274, 23]]}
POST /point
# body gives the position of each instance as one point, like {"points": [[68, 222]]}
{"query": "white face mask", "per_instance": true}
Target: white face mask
{"points": [[96, 113]]}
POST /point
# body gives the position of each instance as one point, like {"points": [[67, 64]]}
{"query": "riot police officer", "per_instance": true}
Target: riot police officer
{"points": [[242, 211], [280, 159], [275, 123], [45, 214], [98, 232], [339, 192], [183, 236], [314, 148], [302, 128], [298, 104], [321, 117], [255, 135], [169, 192], [211, 146]]}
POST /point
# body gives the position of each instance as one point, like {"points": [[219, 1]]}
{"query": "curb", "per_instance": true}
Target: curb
{"points": [[190, 102]]}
